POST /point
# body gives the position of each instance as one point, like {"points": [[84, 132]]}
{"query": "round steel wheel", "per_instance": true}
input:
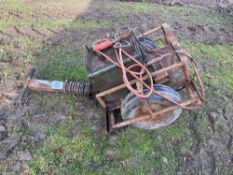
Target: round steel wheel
{"points": [[133, 107]]}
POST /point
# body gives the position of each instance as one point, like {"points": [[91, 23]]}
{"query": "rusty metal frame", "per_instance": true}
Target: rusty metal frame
{"points": [[190, 88], [195, 97]]}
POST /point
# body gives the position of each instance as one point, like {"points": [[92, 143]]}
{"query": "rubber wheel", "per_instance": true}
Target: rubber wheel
{"points": [[133, 107]]}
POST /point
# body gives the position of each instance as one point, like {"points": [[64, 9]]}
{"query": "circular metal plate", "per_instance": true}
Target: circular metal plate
{"points": [[133, 107]]}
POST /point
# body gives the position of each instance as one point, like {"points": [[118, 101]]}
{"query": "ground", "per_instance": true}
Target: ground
{"points": [[61, 134]]}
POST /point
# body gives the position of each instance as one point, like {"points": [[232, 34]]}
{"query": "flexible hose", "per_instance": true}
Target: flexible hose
{"points": [[125, 70], [138, 75]]}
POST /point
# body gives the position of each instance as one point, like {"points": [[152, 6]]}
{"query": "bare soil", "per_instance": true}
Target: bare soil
{"points": [[209, 153], [223, 6], [189, 3]]}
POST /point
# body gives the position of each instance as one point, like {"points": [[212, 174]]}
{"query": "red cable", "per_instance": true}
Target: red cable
{"points": [[105, 43], [120, 63]]}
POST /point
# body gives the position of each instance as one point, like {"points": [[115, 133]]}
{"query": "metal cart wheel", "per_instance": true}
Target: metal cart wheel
{"points": [[133, 107]]}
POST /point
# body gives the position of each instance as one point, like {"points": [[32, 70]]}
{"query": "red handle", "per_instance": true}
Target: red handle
{"points": [[101, 44]]}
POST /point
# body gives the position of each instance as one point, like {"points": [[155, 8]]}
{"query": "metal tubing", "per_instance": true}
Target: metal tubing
{"points": [[42, 85], [152, 31], [193, 92], [117, 88], [133, 120], [159, 58]]}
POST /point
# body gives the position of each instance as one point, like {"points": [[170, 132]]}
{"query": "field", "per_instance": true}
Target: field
{"points": [[56, 133]]}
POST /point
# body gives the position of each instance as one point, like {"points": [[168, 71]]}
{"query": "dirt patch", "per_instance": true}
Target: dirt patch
{"points": [[220, 4], [193, 33], [200, 33], [31, 33], [56, 14], [224, 7], [25, 126]]}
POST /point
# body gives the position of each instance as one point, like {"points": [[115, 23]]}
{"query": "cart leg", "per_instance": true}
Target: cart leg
{"points": [[108, 112]]}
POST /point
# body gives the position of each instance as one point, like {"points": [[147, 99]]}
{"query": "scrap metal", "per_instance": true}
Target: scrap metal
{"points": [[130, 65]]}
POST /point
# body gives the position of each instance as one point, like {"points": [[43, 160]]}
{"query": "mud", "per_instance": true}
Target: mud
{"points": [[192, 33], [201, 33], [216, 4], [206, 34], [224, 7], [24, 126]]}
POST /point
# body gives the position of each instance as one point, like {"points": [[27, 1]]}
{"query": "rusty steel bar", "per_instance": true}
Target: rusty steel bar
{"points": [[160, 48], [117, 88], [98, 96], [187, 83], [202, 95], [158, 38], [199, 81], [193, 92], [127, 122], [25, 87], [159, 58], [151, 31], [133, 120], [77, 88], [43, 85], [112, 119]]}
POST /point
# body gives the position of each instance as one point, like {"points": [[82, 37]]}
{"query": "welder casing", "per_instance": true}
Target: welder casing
{"points": [[105, 75]]}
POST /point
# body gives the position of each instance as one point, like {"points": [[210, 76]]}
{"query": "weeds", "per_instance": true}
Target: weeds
{"points": [[129, 151]]}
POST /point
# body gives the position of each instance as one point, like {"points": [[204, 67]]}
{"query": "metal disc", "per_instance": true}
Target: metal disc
{"points": [[133, 107]]}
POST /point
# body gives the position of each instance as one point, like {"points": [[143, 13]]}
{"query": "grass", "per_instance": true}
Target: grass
{"points": [[85, 154], [62, 154], [17, 6], [34, 14], [28, 22], [129, 151], [169, 14], [90, 24], [214, 57], [133, 151], [63, 64]]}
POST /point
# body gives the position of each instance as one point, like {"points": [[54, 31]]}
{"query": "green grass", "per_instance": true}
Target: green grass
{"points": [[218, 60], [34, 16], [133, 151], [19, 53], [68, 5], [169, 14], [90, 24], [66, 155], [63, 64], [17, 6], [27, 22]]}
